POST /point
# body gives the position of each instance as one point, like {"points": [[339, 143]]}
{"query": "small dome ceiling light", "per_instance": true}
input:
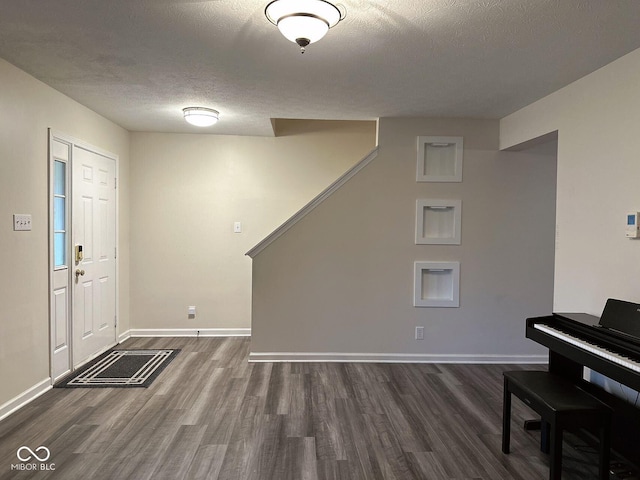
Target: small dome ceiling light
{"points": [[200, 116], [304, 21]]}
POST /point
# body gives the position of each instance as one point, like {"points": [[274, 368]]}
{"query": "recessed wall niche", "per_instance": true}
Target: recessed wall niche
{"points": [[438, 221], [436, 284], [439, 159]]}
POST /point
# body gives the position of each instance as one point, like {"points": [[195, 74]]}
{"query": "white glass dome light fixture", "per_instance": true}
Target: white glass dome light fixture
{"points": [[304, 21], [200, 116]]}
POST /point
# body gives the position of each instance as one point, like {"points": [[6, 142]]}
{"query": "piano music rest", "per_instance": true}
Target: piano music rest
{"points": [[562, 405]]}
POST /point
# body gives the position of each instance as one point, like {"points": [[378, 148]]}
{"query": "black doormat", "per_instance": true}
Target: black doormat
{"points": [[120, 369]]}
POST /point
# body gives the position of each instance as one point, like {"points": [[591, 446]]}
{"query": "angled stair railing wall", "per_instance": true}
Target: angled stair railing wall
{"points": [[309, 207]]}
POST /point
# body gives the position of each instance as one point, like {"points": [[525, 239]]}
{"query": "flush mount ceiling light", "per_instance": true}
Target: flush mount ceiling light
{"points": [[303, 21], [200, 116]]}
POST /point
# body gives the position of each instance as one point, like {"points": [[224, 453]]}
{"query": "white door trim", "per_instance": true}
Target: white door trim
{"points": [[74, 142]]}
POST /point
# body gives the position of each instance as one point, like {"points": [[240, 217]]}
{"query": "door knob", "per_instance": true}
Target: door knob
{"points": [[79, 273]]}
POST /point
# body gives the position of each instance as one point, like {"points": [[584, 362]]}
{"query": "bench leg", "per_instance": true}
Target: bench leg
{"points": [[605, 446], [506, 417], [555, 460], [545, 432]]}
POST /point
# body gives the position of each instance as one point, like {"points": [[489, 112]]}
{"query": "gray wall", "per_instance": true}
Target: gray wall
{"points": [[341, 280]]}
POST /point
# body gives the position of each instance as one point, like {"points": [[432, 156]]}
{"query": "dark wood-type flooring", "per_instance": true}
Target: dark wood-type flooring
{"points": [[212, 415]]}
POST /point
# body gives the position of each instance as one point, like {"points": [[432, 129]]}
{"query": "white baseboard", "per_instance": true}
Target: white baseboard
{"points": [[124, 336], [25, 397], [190, 332], [392, 358]]}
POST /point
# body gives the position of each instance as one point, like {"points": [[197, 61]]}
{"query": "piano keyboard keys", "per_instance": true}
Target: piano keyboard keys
{"points": [[590, 347]]}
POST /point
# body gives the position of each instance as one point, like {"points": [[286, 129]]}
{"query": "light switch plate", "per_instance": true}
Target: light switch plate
{"points": [[237, 227], [21, 222]]}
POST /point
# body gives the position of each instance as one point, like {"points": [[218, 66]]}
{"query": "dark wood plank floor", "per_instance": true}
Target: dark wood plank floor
{"points": [[213, 415]]}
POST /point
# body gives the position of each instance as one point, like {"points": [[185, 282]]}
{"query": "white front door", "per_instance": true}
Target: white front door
{"points": [[93, 271]]}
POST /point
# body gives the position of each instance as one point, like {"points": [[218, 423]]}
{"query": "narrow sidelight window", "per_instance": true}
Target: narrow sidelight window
{"points": [[59, 214]]}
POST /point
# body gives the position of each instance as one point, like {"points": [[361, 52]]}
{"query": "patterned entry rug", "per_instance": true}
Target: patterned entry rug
{"points": [[121, 368]]}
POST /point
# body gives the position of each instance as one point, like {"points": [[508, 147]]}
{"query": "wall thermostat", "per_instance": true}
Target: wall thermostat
{"points": [[633, 225]]}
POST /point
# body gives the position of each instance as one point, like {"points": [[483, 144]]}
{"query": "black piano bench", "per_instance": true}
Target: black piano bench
{"points": [[562, 405]]}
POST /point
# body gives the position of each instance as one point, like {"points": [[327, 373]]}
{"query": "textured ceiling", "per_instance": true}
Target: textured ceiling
{"points": [[139, 62]]}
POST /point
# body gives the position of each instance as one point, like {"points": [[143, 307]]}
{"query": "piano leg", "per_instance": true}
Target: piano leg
{"points": [[605, 455], [564, 367]]}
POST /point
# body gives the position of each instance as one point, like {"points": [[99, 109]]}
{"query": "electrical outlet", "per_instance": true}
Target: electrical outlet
{"points": [[21, 222], [419, 333], [191, 311], [237, 227]]}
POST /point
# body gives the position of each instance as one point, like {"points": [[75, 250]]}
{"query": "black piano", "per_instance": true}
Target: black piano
{"points": [[609, 345]]}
